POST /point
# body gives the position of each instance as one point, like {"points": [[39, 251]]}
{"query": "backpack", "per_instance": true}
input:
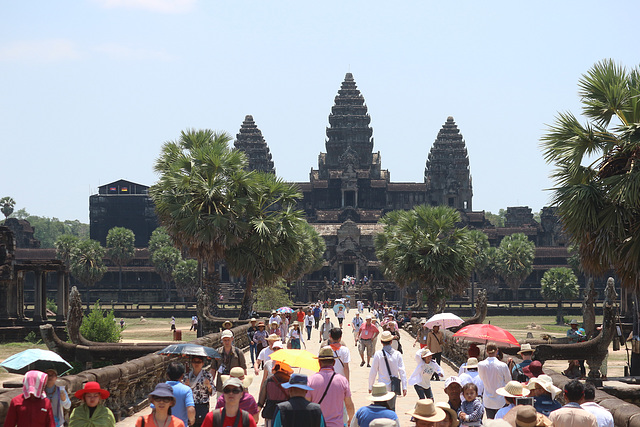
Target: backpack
{"points": [[218, 418], [519, 375]]}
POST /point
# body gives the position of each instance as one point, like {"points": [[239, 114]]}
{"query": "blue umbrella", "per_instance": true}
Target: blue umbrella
{"points": [[35, 359], [190, 350]]}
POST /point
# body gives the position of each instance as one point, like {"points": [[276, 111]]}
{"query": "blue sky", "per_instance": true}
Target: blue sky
{"points": [[92, 88]]}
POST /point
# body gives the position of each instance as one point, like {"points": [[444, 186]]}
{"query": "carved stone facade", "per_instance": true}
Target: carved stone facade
{"points": [[251, 142]]}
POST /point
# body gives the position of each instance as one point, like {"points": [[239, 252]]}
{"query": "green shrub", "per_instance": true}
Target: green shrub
{"points": [[100, 325], [51, 305], [33, 338], [272, 297]]}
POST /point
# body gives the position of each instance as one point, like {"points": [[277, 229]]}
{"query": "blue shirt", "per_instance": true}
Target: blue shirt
{"points": [[316, 312], [184, 399], [366, 414]]}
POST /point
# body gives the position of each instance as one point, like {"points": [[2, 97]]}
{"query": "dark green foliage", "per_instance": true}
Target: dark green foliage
{"points": [[185, 276], [272, 297], [100, 325], [48, 230]]}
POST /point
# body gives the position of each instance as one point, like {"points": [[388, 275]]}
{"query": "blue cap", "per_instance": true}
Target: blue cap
{"points": [[297, 380]]}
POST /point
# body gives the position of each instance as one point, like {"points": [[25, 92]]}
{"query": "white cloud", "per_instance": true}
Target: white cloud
{"points": [[39, 51], [120, 52], [161, 6]]}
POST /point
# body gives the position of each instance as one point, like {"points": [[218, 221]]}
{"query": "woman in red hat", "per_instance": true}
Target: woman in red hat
{"points": [[91, 413]]}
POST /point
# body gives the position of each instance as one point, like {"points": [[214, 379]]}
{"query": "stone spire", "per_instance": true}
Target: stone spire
{"points": [[250, 141], [349, 136], [447, 172]]}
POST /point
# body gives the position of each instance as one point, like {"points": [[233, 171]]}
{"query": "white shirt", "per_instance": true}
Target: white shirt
{"points": [[344, 355], [265, 353], [275, 319], [604, 417], [494, 374], [379, 368], [423, 372], [309, 320], [324, 330], [472, 377]]}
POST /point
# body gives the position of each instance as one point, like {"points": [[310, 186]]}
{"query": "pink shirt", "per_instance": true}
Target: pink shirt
{"points": [[333, 403], [368, 331]]}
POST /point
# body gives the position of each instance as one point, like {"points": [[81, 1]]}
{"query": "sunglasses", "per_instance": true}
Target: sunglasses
{"points": [[162, 399], [197, 361], [232, 391]]}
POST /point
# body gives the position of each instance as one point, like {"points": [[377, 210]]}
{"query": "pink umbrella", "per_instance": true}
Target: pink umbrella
{"points": [[484, 333]]}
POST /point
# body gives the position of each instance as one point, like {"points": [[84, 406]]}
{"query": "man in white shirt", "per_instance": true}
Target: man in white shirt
{"points": [[603, 416], [471, 375], [356, 322], [395, 367], [343, 355], [265, 352], [275, 318], [494, 375]]}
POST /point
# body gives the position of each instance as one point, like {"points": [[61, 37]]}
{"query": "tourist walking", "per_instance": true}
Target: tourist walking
{"points": [[388, 368], [379, 408], [422, 334], [260, 340], [284, 327], [356, 322], [91, 412], [231, 357], [340, 315], [572, 414], [230, 414], [201, 383], [494, 374], [309, 321], [603, 416], [395, 343], [342, 353], [325, 328], [173, 323], [317, 312], [544, 394], [300, 315], [295, 336], [184, 407], [58, 397], [331, 391], [453, 390], [471, 375], [365, 339], [298, 411], [272, 392], [263, 356], [421, 377], [275, 318], [251, 331], [162, 399], [435, 338], [31, 408], [247, 401]]}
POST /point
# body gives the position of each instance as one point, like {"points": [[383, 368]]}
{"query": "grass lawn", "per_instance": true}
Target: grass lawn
{"points": [[155, 329]]}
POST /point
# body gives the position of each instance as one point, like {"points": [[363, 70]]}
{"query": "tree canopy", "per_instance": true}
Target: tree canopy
{"points": [[597, 171], [120, 248], [6, 206], [514, 260], [559, 284], [86, 261], [424, 245]]}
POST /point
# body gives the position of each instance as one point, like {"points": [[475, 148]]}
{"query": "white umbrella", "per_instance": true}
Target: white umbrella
{"points": [[445, 320]]}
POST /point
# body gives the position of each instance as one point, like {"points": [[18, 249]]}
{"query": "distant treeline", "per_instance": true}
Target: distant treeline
{"points": [[47, 230]]}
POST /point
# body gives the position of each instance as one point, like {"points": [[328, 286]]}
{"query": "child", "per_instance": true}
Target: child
{"points": [[471, 410]]}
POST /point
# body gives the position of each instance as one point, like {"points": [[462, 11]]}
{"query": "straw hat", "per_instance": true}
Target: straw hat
{"points": [[546, 383], [452, 413], [253, 319], [525, 348], [526, 416], [295, 323], [238, 373], [386, 336], [261, 323], [326, 352], [426, 410], [273, 337], [379, 393], [227, 324], [513, 389], [91, 387], [472, 362]]}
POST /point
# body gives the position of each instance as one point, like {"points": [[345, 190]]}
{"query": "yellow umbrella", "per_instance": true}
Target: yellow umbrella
{"points": [[297, 358]]}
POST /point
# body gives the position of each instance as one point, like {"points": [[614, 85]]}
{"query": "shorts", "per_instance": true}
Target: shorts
{"points": [[368, 345]]}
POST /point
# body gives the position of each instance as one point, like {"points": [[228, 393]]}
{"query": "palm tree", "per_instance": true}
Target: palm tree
{"points": [[597, 171], [120, 249], [165, 260], [86, 261], [6, 206], [559, 284], [514, 260], [424, 245], [272, 244], [185, 275], [201, 194]]}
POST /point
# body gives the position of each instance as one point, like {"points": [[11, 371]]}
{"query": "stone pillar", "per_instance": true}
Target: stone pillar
{"points": [[20, 294], [12, 298], [37, 296], [4, 298], [61, 296]]}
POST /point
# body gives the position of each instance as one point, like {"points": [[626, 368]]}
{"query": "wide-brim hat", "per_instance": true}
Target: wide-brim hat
{"points": [[534, 369], [546, 383], [525, 348], [386, 336], [163, 390], [472, 362], [423, 322], [238, 373], [425, 352], [426, 410], [91, 387], [452, 413], [253, 319], [297, 381], [573, 322], [526, 416], [273, 337], [379, 393], [326, 352], [295, 323], [225, 323], [260, 323], [513, 389]]}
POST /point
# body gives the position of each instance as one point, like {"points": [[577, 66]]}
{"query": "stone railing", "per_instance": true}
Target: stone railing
{"points": [[129, 383]]}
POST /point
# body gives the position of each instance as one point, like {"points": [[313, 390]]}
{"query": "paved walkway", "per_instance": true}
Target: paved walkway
{"points": [[359, 375]]}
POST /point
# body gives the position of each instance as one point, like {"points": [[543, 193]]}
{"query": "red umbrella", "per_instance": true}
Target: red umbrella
{"points": [[484, 333]]}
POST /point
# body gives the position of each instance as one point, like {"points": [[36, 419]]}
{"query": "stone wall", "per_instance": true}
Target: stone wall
{"points": [[129, 383]]}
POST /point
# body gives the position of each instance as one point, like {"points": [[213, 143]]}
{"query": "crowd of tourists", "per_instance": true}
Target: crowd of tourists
{"points": [[215, 392]]}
